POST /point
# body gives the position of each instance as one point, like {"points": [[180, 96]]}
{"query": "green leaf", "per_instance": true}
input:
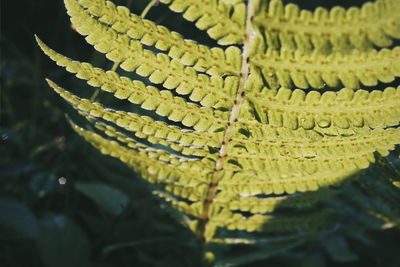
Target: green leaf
{"points": [[43, 183], [109, 249], [108, 198], [16, 169], [338, 250], [257, 255], [314, 261], [18, 217], [62, 243]]}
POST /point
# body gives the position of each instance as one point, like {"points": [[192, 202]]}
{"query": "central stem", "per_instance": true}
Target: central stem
{"points": [[222, 154]]}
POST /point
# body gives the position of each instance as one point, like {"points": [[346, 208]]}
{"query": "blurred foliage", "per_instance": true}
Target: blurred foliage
{"points": [[62, 203]]}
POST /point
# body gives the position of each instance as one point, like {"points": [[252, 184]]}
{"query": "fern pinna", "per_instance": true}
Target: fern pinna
{"points": [[254, 125]]}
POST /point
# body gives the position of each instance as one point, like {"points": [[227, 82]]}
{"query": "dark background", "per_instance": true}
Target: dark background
{"points": [[104, 215]]}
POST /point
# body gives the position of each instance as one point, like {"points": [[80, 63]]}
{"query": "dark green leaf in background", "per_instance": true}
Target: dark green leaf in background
{"points": [[16, 216], [62, 243], [108, 198], [339, 250]]}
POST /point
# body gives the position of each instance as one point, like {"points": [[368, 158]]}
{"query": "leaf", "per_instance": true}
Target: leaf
{"points": [[111, 248], [18, 217], [43, 183], [16, 169], [62, 243], [108, 198], [338, 250], [314, 261], [259, 254]]}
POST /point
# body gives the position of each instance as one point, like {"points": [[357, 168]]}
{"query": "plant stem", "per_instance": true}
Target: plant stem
{"points": [[148, 7], [222, 154]]}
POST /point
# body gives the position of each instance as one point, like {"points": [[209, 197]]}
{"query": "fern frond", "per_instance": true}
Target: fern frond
{"points": [[249, 145], [153, 170], [186, 208], [286, 26], [294, 109], [143, 126], [256, 204], [291, 237], [304, 147], [277, 180], [214, 61], [159, 154], [172, 74], [224, 22], [258, 222], [148, 97], [303, 71]]}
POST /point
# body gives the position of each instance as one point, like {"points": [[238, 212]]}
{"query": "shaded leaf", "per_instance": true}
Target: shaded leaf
{"points": [[42, 183], [338, 250], [62, 243], [18, 217], [16, 169], [108, 198]]}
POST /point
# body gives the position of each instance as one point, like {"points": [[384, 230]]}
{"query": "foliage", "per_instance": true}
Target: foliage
{"points": [[334, 218]]}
